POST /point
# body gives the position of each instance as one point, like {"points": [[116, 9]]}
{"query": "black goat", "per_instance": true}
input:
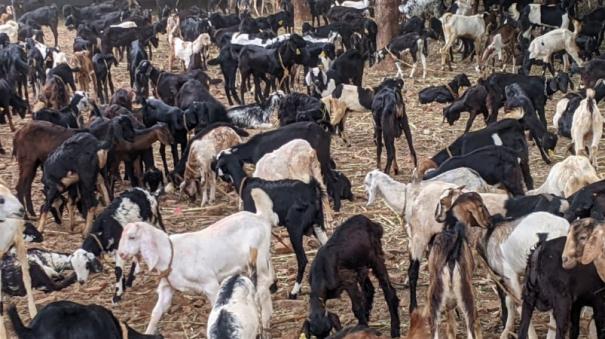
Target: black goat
{"points": [[70, 116], [444, 93], [517, 207], [228, 62], [495, 164], [102, 66], [69, 320], [472, 101], [346, 69], [296, 107], [390, 120], [563, 120], [77, 161], [589, 201], [548, 286], [297, 204], [43, 16], [136, 55], [343, 264]]}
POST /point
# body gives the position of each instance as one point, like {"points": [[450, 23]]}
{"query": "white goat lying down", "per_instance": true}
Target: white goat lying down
{"points": [[236, 310], [11, 233], [587, 127], [568, 176], [198, 262]]}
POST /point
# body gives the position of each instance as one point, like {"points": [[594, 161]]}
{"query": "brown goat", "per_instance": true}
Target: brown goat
{"points": [[451, 266], [501, 41], [31, 146], [54, 93], [585, 244], [86, 73]]}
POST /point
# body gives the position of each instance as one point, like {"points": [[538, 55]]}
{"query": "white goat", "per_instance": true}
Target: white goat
{"points": [[295, 160], [248, 39], [587, 127], [456, 26], [363, 4], [11, 28], [59, 58], [197, 262], [560, 39], [567, 177], [201, 154], [471, 180], [11, 233], [237, 309], [506, 246], [184, 50]]}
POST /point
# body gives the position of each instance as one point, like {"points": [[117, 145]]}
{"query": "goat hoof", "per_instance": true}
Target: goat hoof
{"points": [[292, 296], [116, 299]]}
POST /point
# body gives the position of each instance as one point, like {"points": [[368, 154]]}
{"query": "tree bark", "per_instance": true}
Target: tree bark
{"points": [[302, 13], [387, 17]]}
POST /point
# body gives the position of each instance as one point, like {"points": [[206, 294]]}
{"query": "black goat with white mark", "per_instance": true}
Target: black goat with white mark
{"points": [[297, 204], [390, 120], [69, 320], [346, 69], [495, 164], [45, 268], [444, 93], [416, 44], [69, 116], [343, 264], [133, 205], [255, 115]]}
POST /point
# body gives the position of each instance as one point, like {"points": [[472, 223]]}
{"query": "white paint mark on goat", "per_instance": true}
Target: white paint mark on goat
{"points": [[497, 140], [296, 288], [321, 235]]}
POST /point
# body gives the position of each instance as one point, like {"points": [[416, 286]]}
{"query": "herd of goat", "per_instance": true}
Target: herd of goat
{"points": [[473, 202]]}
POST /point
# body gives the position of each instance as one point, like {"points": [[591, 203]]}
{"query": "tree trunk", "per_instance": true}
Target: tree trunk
{"points": [[302, 12], [387, 17]]}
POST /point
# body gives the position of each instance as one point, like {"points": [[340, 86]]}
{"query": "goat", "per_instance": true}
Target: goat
{"points": [[444, 93], [10, 28], [550, 286], [414, 43], [505, 246], [473, 101], [347, 98], [587, 126], [12, 223], [390, 120], [86, 74], [456, 26], [451, 266], [297, 204], [102, 68], [131, 206], [502, 41], [68, 320], [78, 160], [584, 245], [343, 264], [43, 16], [568, 176], [202, 153], [542, 48], [204, 273], [566, 107], [45, 268], [587, 202], [254, 115], [236, 313], [497, 165], [69, 116], [184, 50]]}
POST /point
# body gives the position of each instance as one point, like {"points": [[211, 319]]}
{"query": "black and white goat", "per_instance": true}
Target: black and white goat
{"points": [[70, 116], [414, 43], [255, 115], [45, 268], [133, 205]]}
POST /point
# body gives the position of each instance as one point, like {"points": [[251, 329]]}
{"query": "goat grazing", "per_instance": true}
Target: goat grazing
{"points": [[343, 264]]}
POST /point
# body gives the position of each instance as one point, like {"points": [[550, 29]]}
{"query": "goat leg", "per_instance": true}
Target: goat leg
{"points": [[296, 239], [413, 281], [380, 272], [27, 280]]}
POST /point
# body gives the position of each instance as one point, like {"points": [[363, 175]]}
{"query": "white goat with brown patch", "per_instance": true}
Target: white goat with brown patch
{"points": [[198, 171], [346, 98], [587, 127], [184, 50], [568, 176], [11, 234]]}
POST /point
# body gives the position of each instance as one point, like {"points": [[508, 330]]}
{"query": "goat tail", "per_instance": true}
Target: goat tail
{"points": [[252, 271], [590, 101], [18, 326], [264, 206]]}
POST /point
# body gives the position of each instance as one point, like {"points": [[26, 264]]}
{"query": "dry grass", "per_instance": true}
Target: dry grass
{"points": [[187, 316]]}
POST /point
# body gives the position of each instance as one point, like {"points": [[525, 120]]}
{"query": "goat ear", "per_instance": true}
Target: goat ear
{"points": [[594, 246], [149, 251]]}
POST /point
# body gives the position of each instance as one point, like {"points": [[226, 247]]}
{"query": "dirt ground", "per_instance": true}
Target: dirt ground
{"points": [[188, 315]]}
